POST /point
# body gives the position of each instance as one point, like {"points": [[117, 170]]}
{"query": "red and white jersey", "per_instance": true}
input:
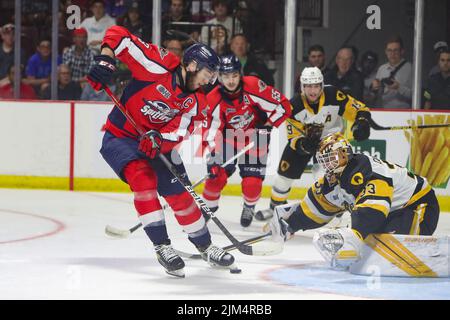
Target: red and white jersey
{"points": [[255, 104], [152, 98]]}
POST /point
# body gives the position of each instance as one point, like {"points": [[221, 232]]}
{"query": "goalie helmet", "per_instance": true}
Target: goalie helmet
{"points": [[334, 153], [311, 75]]}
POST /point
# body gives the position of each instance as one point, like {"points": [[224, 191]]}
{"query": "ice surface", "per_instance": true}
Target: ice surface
{"points": [[53, 246]]}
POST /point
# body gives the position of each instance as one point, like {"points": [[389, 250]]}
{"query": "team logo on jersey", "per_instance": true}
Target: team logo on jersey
{"points": [[340, 95], [262, 85], [276, 95], [284, 165], [357, 179], [241, 121], [163, 52], [158, 111], [163, 90]]}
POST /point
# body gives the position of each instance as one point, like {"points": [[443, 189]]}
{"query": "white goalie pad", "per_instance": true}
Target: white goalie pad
{"points": [[403, 256]]}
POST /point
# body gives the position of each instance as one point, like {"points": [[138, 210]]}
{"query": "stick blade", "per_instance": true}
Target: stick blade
{"points": [[116, 233], [263, 248]]}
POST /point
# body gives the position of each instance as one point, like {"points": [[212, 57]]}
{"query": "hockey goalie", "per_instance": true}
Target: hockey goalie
{"points": [[385, 200]]}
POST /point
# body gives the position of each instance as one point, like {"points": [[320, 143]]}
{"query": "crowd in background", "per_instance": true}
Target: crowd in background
{"points": [[225, 25]]}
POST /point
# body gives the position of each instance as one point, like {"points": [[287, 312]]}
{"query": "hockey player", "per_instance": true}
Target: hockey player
{"points": [[382, 198], [241, 106], [318, 110], [164, 97]]}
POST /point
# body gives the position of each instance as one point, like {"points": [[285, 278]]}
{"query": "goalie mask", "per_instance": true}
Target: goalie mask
{"points": [[334, 153]]}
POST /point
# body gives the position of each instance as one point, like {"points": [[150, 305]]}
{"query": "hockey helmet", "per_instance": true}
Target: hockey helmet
{"points": [[230, 63], [204, 56], [334, 153], [311, 75]]}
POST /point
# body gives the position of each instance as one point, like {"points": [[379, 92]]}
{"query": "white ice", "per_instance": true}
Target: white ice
{"points": [[53, 246]]}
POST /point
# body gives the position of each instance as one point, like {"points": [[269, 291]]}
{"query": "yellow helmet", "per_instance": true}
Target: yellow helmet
{"points": [[334, 153]]}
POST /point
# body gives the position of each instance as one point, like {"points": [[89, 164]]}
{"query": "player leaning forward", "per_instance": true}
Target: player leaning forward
{"points": [[318, 110], [381, 197], [243, 109], [164, 99]]}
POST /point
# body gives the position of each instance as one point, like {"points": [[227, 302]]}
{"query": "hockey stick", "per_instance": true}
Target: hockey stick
{"points": [[376, 126], [243, 248], [121, 233], [230, 247]]}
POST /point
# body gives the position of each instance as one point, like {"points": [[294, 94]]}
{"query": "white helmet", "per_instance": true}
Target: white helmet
{"points": [[311, 75]]}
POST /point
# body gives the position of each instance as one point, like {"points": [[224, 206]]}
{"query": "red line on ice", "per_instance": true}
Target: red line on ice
{"points": [[59, 227]]}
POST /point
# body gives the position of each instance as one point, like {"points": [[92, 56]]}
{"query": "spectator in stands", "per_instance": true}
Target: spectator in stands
{"points": [[134, 24], [7, 52], [437, 88], [316, 58], [175, 46], [7, 90], [219, 37], [89, 94], [251, 66], [39, 67], [175, 14], [368, 68], [97, 25], [67, 89], [79, 57], [393, 79], [344, 75], [438, 47]]}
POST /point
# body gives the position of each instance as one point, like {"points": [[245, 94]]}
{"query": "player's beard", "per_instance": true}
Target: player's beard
{"points": [[190, 77]]}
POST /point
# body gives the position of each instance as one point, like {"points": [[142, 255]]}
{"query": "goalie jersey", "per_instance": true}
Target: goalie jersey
{"points": [[370, 188], [332, 107]]}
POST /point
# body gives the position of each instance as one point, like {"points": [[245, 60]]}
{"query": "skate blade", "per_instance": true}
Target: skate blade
{"points": [[176, 273]]}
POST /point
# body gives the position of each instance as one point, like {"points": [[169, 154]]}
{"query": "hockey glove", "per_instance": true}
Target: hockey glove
{"points": [[101, 73], [150, 143], [361, 127]]}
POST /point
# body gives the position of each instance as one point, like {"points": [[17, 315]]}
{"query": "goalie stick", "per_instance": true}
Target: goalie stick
{"points": [[121, 233], [243, 248]]}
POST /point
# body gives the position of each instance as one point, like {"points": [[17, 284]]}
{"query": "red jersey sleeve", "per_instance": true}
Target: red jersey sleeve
{"points": [[215, 118], [268, 99], [146, 61]]}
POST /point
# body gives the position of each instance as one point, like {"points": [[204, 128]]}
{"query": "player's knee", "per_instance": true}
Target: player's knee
{"points": [[142, 180], [218, 183], [140, 176], [252, 186]]}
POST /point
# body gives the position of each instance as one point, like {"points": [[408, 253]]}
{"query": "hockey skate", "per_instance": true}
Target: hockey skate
{"points": [[171, 261], [247, 216], [263, 215], [217, 257]]}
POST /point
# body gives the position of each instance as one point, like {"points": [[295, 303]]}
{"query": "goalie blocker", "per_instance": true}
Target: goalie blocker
{"points": [[382, 198]]}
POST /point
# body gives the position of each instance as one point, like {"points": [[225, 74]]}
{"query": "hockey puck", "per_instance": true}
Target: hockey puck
{"points": [[237, 270]]}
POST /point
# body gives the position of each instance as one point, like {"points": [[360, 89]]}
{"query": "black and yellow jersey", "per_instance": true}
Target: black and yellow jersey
{"points": [[368, 186], [332, 107]]}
